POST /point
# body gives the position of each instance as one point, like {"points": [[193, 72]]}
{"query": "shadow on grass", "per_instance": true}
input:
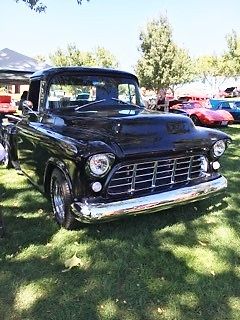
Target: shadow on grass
{"points": [[131, 270]]}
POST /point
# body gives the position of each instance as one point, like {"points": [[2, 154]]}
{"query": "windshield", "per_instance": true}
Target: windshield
{"points": [[191, 105], [77, 91], [237, 104]]}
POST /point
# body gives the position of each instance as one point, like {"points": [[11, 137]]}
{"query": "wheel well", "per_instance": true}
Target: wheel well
{"points": [[48, 174], [47, 177], [195, 119]]}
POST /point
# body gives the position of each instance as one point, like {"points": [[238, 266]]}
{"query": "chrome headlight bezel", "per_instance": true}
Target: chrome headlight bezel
{"points": [[218, 148], [99, 164]]}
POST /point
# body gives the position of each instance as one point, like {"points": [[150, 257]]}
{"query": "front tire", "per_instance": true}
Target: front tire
{"points": [[195, 120], [61, 198]]}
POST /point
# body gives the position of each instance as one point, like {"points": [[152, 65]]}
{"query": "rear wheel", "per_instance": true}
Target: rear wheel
{"points": [[195, 120], [61, 199]]}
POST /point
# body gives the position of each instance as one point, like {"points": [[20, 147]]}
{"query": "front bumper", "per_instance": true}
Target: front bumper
{"points": [[94, 212]]}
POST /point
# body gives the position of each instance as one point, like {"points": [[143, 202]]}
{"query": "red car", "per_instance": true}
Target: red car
{"points": [[6, 106], [201, 115]]}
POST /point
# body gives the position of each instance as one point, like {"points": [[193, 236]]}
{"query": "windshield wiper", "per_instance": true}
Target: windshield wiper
{"points": [[89, 104], [127, 103], [102, 100]]}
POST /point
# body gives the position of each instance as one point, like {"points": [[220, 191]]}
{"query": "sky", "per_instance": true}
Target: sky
{"points": [[200, 26]]}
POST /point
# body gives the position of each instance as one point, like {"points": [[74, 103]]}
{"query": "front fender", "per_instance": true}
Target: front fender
{"points": [[70, 170]]}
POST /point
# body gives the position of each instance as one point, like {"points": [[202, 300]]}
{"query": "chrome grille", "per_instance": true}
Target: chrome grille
{"points": [[156, 174]]}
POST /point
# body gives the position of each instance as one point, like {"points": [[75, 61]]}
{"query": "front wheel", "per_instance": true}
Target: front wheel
{"points": [[61, 199], [195, 120]]}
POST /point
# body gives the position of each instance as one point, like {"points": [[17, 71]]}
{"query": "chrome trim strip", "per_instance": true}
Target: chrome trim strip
{"points": [[93, 212], [173, 171], [190, 169], [133, 178], [154, 176]]}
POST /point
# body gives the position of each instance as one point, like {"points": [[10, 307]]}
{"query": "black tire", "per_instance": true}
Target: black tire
{"points": [[61, 199], [7, 161], [195, 120]]}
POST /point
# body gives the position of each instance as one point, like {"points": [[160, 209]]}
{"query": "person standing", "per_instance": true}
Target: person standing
{"points": [[23, 98], [144, 96], [162, 104]]}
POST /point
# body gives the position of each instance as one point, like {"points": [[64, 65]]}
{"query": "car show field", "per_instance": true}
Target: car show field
{"points": [[180, 263]]}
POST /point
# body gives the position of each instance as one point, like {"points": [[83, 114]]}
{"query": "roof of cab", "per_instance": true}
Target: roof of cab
{"points": [[45, 73]]}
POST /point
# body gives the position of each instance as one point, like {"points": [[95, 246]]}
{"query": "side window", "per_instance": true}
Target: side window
{"points": [[236, 104], [224, 106], [33, 94], [127, 93]]}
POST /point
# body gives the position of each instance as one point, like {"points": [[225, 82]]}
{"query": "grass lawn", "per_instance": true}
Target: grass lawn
{"points": [[182, 263]]}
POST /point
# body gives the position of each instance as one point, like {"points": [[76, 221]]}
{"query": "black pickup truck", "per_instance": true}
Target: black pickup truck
{"points": [[86, 140]]}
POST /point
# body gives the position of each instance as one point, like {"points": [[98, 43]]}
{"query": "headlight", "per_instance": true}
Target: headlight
{"points": [[99, 164], [218, 148]]}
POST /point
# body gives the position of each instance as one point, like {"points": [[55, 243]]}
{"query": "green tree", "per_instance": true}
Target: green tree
{"points": [[215, 69], [40, 58], [38, 6], [104, 58], [232, 55], [211, 69], [162, 64], [72, 56]]}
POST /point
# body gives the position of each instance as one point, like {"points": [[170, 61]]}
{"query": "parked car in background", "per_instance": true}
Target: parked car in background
{"points": [[201, 115], [202, 99], [106, 158], [232, 92], [233, 107], [83, 96], [6, 105]]}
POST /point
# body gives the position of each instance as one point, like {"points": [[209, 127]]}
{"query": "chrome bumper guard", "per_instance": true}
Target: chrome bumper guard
{"points": [[94, 212]]}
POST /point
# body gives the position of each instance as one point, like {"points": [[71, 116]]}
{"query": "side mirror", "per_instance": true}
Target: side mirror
{"points": [[27, 107], [27, 111]]}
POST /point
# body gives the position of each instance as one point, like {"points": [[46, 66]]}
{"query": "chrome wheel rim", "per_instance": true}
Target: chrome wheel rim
{"points": [[58, 200]]}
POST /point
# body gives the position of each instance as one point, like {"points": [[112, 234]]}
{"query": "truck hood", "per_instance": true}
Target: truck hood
{"points": [[138, 131]]}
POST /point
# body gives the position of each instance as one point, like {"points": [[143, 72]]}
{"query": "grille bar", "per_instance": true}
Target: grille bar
{"points": [[173, 171], [151, 175], [134, 177], [154, 178]]}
